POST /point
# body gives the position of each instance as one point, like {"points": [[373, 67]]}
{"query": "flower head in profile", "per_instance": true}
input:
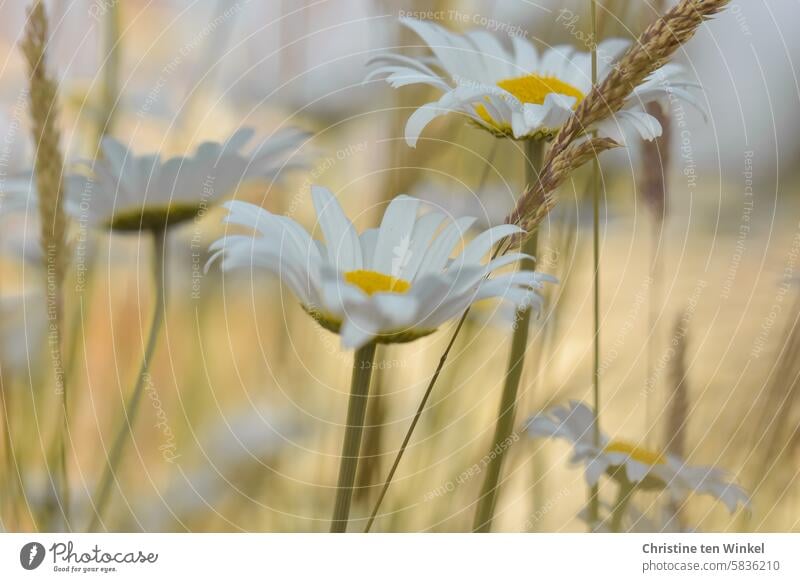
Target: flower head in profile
{"points": [[390, 284], [129, 192], [643, 468], [518, 93]]}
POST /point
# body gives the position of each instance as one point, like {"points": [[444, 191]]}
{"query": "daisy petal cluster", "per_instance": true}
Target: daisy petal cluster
{"points": [[391, 284], [519, 92], [622, 460], [129, 192]]}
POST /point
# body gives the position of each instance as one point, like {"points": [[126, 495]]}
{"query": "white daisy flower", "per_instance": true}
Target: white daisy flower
{"points": [[519, 93], [628, 462], [392, 284], [128, 192]]}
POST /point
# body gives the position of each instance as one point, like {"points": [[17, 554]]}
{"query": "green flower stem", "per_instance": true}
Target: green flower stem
{"points": [[11, 468], [519, 342], [369, 468], [112, 44], [624, 496], [363, 363], [594, 502], [132, 406]]}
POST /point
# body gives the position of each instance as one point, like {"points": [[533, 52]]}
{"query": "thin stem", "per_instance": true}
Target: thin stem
{"points": [[415, 420], [132, 406], [484, 513], [363, 362], [12, 471], [654, 305], [64, 492], [594, 503], [369, 465], [621, 506], [111, 68]]}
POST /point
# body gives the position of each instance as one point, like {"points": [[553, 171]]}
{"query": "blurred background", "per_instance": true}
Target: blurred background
{"points": [[242, 426]]}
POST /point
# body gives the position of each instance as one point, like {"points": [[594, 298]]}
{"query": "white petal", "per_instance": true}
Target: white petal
{"points": [[455, 54], [423, 233], [595, 469], [420, 119], [398, 311], [369, 241], [442, 247], [394, 236], [635, 470], [525, 55], [555, 60], [483, 243], [646, 126], [355, 334], [495, 57], [239, 139], [344, 248]]}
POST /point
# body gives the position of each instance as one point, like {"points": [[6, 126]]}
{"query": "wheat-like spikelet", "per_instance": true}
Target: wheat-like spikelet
{"points": [[652, 49], [49, 170], [46, 137], [536, 202], [655, 45]]}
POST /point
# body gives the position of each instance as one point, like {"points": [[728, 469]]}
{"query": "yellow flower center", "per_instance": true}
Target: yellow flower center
{"points": [[529, 89], [534, 88], [373, 282], [635, 452]]}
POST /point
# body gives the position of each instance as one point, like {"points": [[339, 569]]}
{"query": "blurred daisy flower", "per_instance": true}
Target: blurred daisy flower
{"points": [[128, 192], [519, 93], [630, 463], [392, 284]]}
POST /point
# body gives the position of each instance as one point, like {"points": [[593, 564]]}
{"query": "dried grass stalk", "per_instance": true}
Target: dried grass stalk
{"points": [[655, 161], [654, 47], [47, 137], [678, 404], [536, 202], [49, 171]]}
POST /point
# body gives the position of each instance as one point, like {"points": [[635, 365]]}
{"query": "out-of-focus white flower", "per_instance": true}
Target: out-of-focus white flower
{"points": [[129, 192], [392, 284], [623, 460], [518, 93]]}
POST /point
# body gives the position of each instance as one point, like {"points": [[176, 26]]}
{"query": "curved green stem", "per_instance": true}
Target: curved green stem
{"points": [[132, 406], [111, 68], [594, 502], [363, 363], [504, 426]]}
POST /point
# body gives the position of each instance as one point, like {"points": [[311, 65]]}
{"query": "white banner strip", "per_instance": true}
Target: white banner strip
{"points": [[401, 557]]}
